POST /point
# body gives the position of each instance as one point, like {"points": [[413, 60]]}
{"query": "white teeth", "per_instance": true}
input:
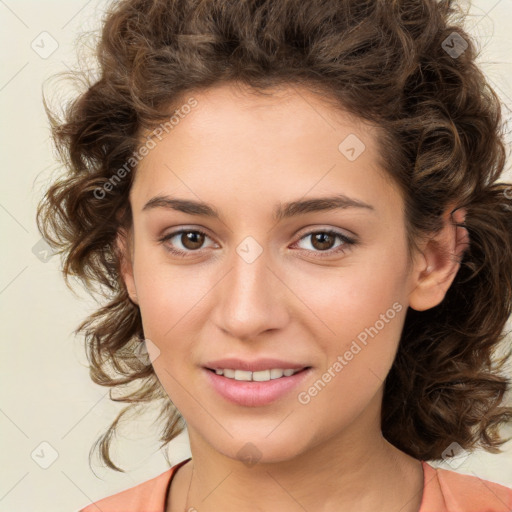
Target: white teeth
{"points": [[276, 374], [261, 376], [242, 375]]}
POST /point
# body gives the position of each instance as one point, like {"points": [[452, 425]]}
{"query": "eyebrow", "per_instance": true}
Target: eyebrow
{"points": [[281, 211]]}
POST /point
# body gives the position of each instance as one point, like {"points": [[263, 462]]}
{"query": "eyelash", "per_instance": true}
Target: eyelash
{"points": [[347, 242]]}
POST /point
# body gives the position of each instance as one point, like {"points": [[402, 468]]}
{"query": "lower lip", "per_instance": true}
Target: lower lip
{"points": [[254, 394]]}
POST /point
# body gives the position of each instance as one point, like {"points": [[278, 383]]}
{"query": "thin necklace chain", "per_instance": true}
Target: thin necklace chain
{"points": [[189, 485]]}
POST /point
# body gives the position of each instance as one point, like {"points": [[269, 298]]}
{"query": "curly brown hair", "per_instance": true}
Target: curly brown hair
{"points": [[407, 66]]}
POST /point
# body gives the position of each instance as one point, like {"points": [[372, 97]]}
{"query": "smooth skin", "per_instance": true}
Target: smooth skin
{"points": [[299, 300]]}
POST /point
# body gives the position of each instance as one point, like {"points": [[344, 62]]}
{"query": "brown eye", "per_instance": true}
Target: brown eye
{"points": [[322, 240], [192, 239], [184, 241]]}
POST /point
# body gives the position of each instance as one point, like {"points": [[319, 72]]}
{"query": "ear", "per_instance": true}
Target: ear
{"points": [[125, 251], [439, 262]]}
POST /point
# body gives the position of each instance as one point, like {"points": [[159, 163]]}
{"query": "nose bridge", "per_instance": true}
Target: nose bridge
{"points": [[249, 300]]}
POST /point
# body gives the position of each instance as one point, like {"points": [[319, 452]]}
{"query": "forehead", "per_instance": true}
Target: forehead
{"points": [[289, 110], [235, 144]]}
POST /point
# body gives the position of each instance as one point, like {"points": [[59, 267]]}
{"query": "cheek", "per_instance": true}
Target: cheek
{"points": [[169, 295], [358, 317], [342, 303], [355, 368]]}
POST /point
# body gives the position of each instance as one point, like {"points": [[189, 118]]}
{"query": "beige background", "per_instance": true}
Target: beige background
{"points": [[46, 393]]}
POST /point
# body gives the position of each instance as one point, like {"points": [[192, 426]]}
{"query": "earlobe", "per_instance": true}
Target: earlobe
{"points": [[124, 247], [442, 255]]}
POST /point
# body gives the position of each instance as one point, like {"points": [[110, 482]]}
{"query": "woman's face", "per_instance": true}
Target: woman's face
{"points": [[275, 275]]}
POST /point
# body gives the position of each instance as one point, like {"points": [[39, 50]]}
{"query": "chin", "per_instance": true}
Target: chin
{"points": [[261, 449]]}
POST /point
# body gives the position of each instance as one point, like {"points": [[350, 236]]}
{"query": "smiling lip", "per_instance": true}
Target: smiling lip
{"points": [[253, 366], [254, 394]]}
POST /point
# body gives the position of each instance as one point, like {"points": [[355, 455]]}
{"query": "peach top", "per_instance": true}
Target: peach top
{"points": [[443, 491]]}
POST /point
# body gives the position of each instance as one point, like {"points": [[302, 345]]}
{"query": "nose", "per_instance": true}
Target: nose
{"points": [[252, 298]]}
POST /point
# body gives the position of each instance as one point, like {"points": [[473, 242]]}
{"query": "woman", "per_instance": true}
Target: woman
{"points": [[293, 209]]}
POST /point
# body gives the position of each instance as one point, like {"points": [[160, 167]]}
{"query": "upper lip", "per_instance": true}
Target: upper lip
{"points": [[234, 363]]}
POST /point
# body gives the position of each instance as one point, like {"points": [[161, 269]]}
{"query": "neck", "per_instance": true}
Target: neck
{"points": [[354, 470]]}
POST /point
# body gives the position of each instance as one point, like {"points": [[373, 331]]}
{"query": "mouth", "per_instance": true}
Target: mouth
{"points": [[255, 389]]}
